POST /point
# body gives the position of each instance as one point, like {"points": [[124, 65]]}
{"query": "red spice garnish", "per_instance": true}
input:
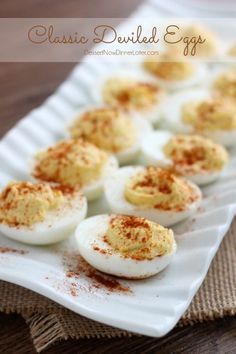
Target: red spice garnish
{"points": [[76, 267], [100, 250], [61, 154], [65, 190], [74, 289], [161, 179], [129, 221], [189, 157], [23, 188], [12, 250], [125, 95]]}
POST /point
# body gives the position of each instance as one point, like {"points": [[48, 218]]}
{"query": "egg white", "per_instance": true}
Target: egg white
{"points": [[114, 193], [128, 155], [131, 154], [152, 115], [226, 138], [197, 78], [91, 231], [152, 151], [93, 189], [57, 225]]}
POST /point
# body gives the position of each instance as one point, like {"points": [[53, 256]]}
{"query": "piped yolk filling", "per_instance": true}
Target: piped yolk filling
{"points": [[167, 68], [130, 95], [225, 84], [138, 238], [212, 115], [72, 163], [107, 128], [158, 188], [24, 203], [195, 154]]}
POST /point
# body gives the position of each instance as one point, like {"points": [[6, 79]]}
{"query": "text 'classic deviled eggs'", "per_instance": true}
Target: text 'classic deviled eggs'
{"points": [[197, 113], [112, 130], [192, 156], [135, 94], [172, 73], [77, 164], [125, 246], [153, 193], [38, 213]]}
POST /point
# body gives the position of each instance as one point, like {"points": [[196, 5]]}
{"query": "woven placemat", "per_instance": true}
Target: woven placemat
{"points": [[50, 322]]}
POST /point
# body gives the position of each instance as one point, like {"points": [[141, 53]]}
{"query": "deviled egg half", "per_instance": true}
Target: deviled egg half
{"points": [[39, 214], [75, 164], [153, 193], [197, 112], [172, 72], [112, 130], [224, 84], [125, 246], [134, 93], [193, 156]]}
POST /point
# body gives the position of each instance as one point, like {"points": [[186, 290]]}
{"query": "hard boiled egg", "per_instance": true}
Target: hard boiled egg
{"points": [[125, 246], [94, 189], [198, 111], [134, 92], [112, 130], [153, 193], [75, 163], [38, 214], [195, 157]]}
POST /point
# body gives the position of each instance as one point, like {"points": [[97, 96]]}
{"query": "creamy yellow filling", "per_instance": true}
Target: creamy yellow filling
{"points": [[225, 84], [24, 203], [214, 114], [167, 67], [157, 188], [138, 238], [130, 95], [107, 128], [232, 51], [71, 163], [192, 154]]}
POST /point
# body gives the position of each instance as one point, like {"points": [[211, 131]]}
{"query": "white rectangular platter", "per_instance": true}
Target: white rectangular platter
{"points": [[151, 307]]}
